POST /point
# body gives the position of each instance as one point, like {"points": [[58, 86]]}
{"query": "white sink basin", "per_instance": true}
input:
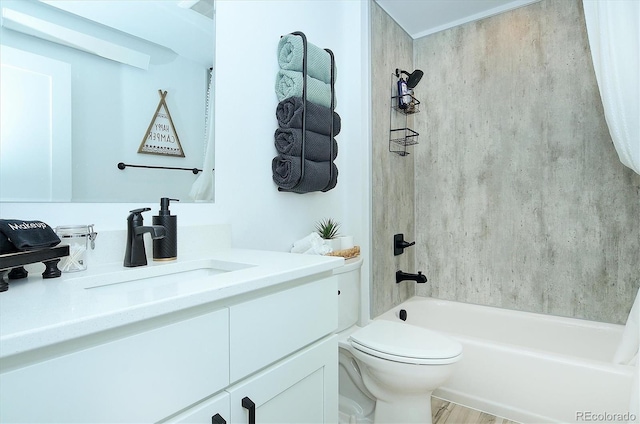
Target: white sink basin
{"points": [[159, 274]]}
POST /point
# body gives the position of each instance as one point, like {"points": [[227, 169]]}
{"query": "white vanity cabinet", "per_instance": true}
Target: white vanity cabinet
{"points": [[138, 378], [268, 328], [272, 348], [300, 389], [269, 382]]}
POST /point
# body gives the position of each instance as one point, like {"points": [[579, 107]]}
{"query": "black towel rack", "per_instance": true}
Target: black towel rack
{"points": [[304, 115], [122, 165]]}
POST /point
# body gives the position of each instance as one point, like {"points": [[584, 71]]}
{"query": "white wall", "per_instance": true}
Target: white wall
{"points": [[246, 64], [261, 217]]}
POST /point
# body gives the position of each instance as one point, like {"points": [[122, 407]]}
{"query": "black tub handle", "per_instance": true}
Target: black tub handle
{"points": [[399, 244]]}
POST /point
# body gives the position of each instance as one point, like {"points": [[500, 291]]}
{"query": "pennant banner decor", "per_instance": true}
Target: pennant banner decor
{"points": [[161, 137]]}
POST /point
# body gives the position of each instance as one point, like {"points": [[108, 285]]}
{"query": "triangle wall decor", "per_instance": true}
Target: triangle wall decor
{"points": [[161, 137]]}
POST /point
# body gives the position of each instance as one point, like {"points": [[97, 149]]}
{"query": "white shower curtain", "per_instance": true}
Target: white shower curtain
{"points": [[613, 27], [202, 188]]}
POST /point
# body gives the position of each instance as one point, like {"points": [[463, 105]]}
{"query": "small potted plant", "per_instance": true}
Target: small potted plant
{"points": [[328, 230]]}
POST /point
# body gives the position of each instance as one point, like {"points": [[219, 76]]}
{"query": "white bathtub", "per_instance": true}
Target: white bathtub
{"points": [[530, 368]]}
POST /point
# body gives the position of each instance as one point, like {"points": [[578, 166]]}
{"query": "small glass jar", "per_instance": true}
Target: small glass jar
{"points": [[77, 237]]}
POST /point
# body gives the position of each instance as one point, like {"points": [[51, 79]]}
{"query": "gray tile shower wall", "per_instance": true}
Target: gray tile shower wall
{"points": [[393, 177], [521, 200]]}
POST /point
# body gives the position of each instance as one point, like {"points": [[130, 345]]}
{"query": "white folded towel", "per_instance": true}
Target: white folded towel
{"points": [[630, 342], [312, 244], [304, 244]]}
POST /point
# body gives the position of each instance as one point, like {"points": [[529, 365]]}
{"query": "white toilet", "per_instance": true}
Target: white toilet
{"points": [[388, 369]]}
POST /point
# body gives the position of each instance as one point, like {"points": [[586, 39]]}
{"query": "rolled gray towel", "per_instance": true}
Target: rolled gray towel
{"points": [[288, 141], [286, 174], [289, 115]]}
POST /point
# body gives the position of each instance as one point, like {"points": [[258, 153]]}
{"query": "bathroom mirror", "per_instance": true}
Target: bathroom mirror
{"points": [[82, 85]]}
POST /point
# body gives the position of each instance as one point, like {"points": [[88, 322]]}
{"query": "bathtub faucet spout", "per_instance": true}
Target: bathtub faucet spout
{"points": [[403, 276]]}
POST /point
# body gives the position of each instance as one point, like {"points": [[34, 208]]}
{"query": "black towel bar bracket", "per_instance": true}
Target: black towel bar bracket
{"points": [[304, 115], [122, 165]]}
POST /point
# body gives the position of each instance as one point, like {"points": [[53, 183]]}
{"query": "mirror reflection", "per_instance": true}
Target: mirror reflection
{"points": [[87, 85]]}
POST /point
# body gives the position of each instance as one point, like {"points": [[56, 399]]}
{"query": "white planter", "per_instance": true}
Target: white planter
{"points": [[334, 244]]}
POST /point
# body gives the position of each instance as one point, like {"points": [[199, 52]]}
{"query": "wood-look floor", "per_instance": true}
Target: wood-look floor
{"points": [[445, 412]]}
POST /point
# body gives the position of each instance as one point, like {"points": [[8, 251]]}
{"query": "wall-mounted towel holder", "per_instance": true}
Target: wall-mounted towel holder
{"points": [[297, 188]]}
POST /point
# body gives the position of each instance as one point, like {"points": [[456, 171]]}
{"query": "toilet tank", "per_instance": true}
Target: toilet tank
{"points": [[348, 292]]}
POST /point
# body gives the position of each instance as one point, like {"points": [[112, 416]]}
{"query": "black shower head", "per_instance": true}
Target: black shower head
{"points": [[412, 78]]}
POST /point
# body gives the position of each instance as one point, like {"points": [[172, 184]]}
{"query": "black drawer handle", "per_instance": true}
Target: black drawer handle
{"points": [[248, 404], [217, 419]]}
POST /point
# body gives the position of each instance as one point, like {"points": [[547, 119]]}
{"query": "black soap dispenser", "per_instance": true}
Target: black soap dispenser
{"points": [[166, 249]]}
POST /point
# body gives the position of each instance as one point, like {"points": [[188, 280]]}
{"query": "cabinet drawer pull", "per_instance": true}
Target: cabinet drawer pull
{"points": [[217, 419], [248, 404]]}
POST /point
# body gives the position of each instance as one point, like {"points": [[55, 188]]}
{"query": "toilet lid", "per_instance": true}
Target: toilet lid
{"points": [[402, 342]]}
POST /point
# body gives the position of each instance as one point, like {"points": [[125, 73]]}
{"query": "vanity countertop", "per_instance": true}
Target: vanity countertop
{"points": [[36, 313]]}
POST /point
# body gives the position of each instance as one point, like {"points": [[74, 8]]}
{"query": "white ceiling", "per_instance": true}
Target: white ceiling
{"points": [[423, 17]]}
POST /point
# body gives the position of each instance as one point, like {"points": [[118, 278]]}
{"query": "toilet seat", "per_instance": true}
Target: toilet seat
{"points": [[405, 343]]}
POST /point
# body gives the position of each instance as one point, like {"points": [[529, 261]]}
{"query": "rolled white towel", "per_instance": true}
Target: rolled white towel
{"points": [[630, 342], [303, 245], [318, 248]]}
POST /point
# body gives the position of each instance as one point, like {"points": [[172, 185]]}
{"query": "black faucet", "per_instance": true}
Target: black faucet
{"points": [[403, 276], [135, 254]]}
